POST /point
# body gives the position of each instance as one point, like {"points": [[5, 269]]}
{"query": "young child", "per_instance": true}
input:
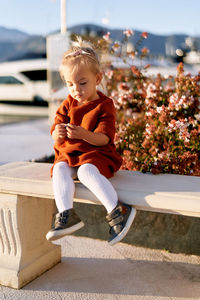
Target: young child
{"points": [[83, 133]]}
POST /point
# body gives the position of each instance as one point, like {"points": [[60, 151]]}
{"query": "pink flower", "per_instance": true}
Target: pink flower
{"points": [[159, 109], [151, 91], [109, 74], [180, 68], [144, 35], [146, 143], [147, 66], [145, 51], [135, 71], [180, 125], [116, 46], [123, 86], [128, 32], [131, 54], [177, 103], [184, 135], [150, 129], [173, 98], [106, 37]]}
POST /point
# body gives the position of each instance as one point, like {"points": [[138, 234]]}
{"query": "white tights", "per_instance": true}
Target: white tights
{"points": [[89, 175]]}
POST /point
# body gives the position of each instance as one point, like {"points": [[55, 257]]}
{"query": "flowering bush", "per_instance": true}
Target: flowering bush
{"points": [[158, 119]]}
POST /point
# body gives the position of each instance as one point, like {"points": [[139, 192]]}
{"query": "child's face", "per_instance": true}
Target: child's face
{"points": [[81, 83]]}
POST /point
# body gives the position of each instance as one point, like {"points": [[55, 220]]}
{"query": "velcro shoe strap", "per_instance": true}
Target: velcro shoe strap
{"points": [[116, 221], [115, 213]]}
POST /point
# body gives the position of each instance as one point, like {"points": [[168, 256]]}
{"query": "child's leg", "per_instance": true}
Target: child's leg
{"points": [[120, 215], [63, 186], [101, 187], [66, 220]]}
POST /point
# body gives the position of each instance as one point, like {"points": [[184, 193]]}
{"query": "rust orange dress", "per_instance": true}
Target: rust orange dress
{"points": [[96, 116]]}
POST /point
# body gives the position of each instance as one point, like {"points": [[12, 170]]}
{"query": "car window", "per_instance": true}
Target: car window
{"points": [[36, 75], [9, 80]]}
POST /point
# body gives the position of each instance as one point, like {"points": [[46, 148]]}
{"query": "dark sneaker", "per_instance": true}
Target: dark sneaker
{"points": [[65, 223], [120, 220]]}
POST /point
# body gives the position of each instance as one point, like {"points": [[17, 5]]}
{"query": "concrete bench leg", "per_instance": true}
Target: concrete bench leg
{"points": [[24, 251]]}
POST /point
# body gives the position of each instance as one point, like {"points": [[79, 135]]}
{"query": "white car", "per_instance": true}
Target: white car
{"points": [[24, 80]]}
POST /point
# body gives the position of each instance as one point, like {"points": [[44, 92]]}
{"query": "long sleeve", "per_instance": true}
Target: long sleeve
{"points": [[106, 121], [61, 114]]}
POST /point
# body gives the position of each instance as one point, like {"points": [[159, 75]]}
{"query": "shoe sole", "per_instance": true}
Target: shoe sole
{"points": [[123, 233], [55, 235]]}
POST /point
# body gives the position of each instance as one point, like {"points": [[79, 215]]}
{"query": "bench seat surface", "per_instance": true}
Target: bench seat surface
{"points": [[162, 193]]}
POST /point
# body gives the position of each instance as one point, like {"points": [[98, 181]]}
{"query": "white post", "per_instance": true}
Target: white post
{"points": [[63, 28]]}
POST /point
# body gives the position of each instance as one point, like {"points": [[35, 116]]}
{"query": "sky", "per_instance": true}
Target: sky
{"points": [[154, 16]]}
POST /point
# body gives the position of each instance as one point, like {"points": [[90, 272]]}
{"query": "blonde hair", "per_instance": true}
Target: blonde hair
{"points": [[81, 53]]}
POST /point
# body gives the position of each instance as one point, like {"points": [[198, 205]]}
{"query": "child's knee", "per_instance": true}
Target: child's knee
{"points": [[60, 167], [86, 170]]}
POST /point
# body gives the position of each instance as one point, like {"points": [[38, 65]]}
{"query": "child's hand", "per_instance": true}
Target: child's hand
{"points": [[75, 132], [93, 138], [60, 133]]}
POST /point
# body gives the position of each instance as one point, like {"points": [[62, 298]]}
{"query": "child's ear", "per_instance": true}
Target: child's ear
{"points": [[99, 78]]}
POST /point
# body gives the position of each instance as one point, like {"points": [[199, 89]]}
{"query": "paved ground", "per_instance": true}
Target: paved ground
{"points": [[25, 141], [91, 269]]}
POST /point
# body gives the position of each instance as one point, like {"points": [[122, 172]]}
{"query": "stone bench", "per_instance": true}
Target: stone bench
{"points": [[27, 206]]}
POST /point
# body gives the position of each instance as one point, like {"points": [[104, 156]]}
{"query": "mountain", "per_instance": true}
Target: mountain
{"points": [[14, 35], [15, 44]]}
